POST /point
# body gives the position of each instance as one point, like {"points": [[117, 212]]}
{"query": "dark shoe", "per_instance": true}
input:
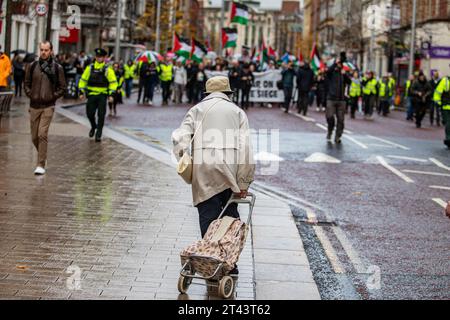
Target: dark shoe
{"points": [[338, 140], [234, 272], [418, 125], [447, 143], [98, 139], [91, 133]]}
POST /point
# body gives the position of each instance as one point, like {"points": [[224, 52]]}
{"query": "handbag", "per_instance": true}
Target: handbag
{"points": [[185, 165]]}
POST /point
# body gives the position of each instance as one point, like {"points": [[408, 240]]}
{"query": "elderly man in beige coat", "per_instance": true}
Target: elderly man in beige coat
{"points": [[221, 151]]}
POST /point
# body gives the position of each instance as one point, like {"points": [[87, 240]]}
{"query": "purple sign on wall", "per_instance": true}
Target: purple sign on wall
{"points": [[439, 52]]}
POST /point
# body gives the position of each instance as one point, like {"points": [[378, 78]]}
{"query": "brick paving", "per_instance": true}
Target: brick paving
{"points": [[118, 215]]}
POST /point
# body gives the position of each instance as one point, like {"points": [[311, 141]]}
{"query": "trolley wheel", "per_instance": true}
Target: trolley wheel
{"points": [[226, 287], [183, 284]]}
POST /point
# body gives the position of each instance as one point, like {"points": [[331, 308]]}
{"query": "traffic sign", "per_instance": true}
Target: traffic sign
{"points": [[41, 9]]}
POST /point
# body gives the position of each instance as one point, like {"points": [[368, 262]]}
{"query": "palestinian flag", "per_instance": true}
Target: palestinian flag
{"points": [[239, 13], [181, 47], [316, 62], [199, 51], [229, 37]]}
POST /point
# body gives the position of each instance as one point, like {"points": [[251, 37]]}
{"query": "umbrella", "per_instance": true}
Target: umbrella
{"points": [[19, 51], [149, 56], [29, 58]]}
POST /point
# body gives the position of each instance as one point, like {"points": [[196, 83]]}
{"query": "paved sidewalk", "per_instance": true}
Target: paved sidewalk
{"points": [[122, 218]]}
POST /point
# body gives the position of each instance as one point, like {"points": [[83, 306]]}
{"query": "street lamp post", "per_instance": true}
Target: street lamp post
{"points": [[118, 27], [222, 21], [158, 22], [413, 38]]}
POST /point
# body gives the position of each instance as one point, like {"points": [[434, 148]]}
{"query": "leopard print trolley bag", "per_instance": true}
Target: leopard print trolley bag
{"points": [[213, 257]]}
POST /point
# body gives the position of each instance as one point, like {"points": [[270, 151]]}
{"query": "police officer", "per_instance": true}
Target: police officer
{"points": [[99, 84], [129, 71], [384, 96], [369, 94], [165, 70], [442, 98], [354, 93]]}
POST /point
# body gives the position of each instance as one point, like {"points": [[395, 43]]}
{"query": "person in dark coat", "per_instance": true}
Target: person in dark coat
{"points": [[235, 83], [287, 79], [191, 71], [421, 93], [19, 75], [200, 83], [321, 91], [337, 82], [305, 81], [246, 79]]}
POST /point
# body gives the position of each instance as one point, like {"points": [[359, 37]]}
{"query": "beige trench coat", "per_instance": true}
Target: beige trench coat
{"points": [[222, 151]]}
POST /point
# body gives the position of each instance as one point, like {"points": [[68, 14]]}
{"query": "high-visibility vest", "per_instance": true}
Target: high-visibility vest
{"points": [[166, 72], [129, 71], [442, 94], [107, 76], [355, 89], [408, 85], [383, 92], [391, 84], [370, 87]]}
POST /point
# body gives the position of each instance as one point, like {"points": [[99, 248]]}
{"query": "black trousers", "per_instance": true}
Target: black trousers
{"points": [[210, 209], [302, 102], [287, 97], [165, 85], [18, 80], [335, 111], [420, 109], [97, 104], [369, 102], [435, 108], [245, 97], [353, 103]]}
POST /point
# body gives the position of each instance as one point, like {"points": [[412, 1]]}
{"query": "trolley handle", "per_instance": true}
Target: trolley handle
{"points": [[250, 202]]}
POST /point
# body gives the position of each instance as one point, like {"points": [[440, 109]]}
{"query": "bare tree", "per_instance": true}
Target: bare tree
{"points": [[105, 9]]}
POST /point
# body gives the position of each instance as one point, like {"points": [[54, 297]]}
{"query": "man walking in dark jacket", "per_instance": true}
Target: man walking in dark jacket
{"points": [[287, 78], [337, 80], [44, 84], [421, 93], [305, 81]]}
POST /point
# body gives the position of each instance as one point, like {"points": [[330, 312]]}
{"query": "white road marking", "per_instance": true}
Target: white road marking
{"points": [[393, 170], [408, 158], [440, 187], [389, 142], [380, 145], [267, 156], [329, 250], [440, 202], [439, 164], [351, 252], [347, 131], [321, 158], [307, 119], [362, 145], [428, 173]]}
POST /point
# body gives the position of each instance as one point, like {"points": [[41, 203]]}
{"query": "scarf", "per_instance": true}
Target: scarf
{"points": [[48, 67]]}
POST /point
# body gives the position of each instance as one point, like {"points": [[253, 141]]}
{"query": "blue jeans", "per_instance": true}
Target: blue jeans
{"points": [[128, 87], [409, 109]]}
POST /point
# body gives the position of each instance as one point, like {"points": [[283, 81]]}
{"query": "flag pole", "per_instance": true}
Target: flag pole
{"points": [[222, 21]]}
